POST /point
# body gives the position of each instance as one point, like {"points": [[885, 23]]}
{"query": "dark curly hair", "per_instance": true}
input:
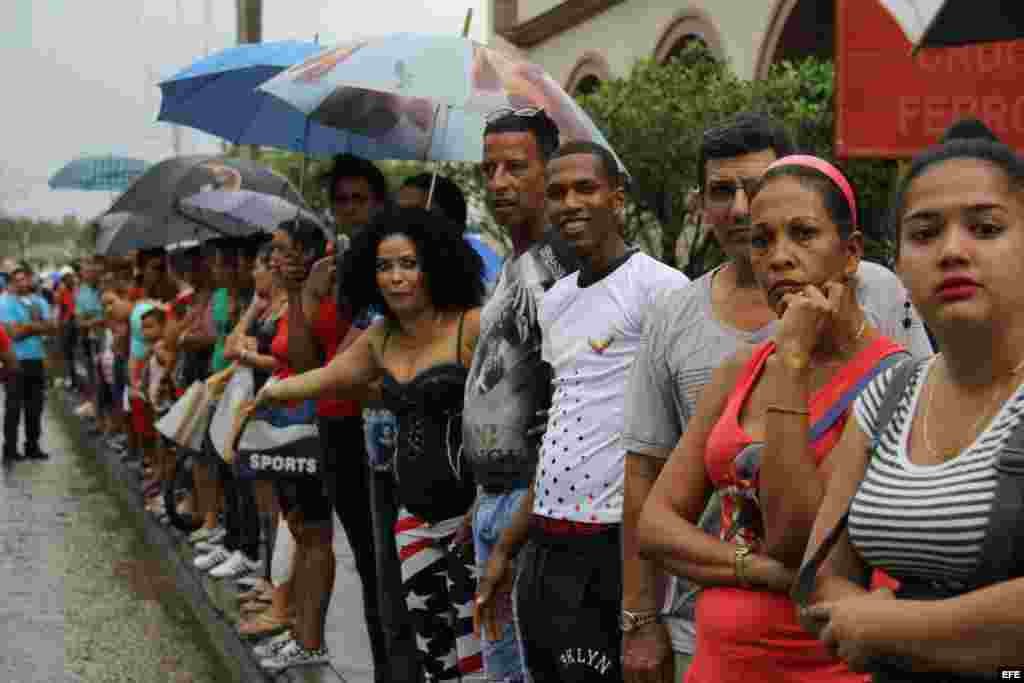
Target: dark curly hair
{"points": [[454, 270]]}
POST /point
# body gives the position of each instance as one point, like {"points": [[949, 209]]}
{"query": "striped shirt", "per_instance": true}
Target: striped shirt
{"points": [[925, 522]]}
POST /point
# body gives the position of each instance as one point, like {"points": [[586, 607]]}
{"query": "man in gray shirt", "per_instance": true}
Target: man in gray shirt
{"points": [[690, 333], [508, 382]]}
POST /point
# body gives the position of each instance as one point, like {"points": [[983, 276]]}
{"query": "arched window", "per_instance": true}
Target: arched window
{"points": [[587, 75], [587, 85], [687, 26], [798, 29]]}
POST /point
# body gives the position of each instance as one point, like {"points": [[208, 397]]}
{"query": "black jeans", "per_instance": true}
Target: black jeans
{"points": [[568, 599], [347, 478], [25, 393], [69, 341]]}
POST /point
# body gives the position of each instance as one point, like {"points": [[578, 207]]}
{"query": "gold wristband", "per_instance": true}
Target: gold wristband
{"points": [[796, 361], [740, 556]]}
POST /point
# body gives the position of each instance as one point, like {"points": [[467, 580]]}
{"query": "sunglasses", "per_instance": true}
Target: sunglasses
{"points": [[502, 112]]}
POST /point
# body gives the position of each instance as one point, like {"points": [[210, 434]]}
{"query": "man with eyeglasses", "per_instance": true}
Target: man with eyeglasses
{"points": [[693, 331], [508, 381]]}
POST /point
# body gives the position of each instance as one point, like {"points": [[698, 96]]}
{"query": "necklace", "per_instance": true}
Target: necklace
{"points": [[982, 420], [845, 349]]}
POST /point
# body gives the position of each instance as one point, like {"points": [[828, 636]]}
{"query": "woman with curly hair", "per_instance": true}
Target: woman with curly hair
{"points": [[415, 268]]}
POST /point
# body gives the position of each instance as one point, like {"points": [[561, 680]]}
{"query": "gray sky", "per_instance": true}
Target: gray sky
{"points": [[85, 73]]}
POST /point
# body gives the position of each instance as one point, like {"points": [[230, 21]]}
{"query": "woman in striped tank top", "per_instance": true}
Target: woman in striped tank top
{"points": [[922, 497], [763, 437]]}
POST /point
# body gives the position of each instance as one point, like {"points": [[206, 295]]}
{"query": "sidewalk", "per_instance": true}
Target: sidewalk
{"points": [[213, 601]]}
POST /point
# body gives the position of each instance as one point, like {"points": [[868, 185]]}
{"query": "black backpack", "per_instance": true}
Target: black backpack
{"points": [[1002, 554]]}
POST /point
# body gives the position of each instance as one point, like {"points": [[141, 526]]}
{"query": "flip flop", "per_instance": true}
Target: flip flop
{"points": [[264, 625]]}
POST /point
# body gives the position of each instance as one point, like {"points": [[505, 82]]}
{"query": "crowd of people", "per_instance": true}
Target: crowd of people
{"points": [[557, 475]]}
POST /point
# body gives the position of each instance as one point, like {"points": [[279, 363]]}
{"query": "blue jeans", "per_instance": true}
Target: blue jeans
{"points": [[503, 659]]}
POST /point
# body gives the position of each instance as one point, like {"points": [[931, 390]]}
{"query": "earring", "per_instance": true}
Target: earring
{"points": [[907, 322]]}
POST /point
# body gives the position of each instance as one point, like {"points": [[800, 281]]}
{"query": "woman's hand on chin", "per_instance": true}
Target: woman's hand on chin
{"points": [[808, 313]]}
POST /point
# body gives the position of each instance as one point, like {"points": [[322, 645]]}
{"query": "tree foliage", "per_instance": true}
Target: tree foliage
{"points": [[654, 119], [42, 241]]}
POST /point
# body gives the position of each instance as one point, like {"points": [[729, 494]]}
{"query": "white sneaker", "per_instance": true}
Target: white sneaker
{"points": [[294, 654], [212, 559], [214, 535], [205, 547], [235, 566], [273, 647]]}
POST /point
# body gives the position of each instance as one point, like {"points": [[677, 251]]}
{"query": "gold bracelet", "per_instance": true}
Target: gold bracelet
{"points": [[740, 556], [786, 411]]}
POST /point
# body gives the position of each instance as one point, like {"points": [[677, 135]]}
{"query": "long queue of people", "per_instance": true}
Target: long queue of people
{"points": [[594, 469]]}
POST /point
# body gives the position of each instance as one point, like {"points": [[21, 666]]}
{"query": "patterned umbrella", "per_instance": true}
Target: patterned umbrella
{"points": [[426, 90]]}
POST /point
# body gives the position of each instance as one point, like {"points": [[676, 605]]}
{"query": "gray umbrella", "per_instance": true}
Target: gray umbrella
{"points": [[155, 196], [241, 213]]}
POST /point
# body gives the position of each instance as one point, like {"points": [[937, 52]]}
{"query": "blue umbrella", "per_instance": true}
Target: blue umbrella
{"points": [[492, 260], [101, 173], [218, 95]]}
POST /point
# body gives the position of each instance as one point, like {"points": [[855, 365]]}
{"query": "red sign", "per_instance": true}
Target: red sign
{"points": [[889, 104]]}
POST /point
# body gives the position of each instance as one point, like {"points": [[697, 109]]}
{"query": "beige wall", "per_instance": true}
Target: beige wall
{"points": [[528, 9], [630, 30]]}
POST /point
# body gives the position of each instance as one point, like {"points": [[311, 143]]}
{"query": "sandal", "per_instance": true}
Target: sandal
{"points": [[263, 625], [255, 594], [253, 607]]}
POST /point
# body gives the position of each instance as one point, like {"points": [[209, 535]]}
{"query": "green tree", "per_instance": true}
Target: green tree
{"points": [[654, 119]]}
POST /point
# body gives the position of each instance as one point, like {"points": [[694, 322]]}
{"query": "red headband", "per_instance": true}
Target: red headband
{"points": [[825, 168]]}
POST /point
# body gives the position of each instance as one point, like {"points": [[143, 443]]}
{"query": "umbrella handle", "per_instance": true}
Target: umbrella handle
{"points": [[437, 112]]}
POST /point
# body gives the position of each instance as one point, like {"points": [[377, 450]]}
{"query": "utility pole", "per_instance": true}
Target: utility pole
{"points": [[250, 30]]}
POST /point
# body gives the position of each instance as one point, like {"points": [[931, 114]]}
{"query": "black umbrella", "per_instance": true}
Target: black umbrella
{"points": [[152, 201], [120, 232], [934, 23]]}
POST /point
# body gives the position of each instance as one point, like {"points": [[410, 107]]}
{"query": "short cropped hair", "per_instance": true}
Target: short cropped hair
{"points": [[454, 270], [448, 197], [543, 127], [352, 166], [745, 133], [609, 166]]}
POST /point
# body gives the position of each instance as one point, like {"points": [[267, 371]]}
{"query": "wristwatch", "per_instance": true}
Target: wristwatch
{"points": [[632, 621]]}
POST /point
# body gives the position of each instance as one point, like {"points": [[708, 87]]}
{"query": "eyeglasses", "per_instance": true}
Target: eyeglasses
{"points": [[502, 112], [722, 193]]}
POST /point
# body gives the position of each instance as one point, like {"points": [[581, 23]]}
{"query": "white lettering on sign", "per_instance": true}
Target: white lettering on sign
{"points": [[933, 114], [280, 463], [1011, 674], [984, 58]]}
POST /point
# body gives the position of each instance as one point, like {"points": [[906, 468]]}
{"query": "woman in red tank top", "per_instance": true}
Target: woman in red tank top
{"points": [[763, 432]]}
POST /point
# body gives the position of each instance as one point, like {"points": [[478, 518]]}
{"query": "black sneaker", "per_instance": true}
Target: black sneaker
{"points": [[13, 456], [37, 455]]}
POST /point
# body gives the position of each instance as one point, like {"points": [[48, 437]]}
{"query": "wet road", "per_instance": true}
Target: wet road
{"points": [[83, 598]]}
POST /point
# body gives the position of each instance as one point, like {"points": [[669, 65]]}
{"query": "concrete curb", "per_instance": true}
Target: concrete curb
{"points": [[211, 601]]}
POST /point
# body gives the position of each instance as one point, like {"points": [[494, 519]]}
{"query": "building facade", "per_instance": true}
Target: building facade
{"points": [[583, 42]]}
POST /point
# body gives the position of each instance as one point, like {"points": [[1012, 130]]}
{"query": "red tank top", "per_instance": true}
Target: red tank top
{"points": [[745, 635]]}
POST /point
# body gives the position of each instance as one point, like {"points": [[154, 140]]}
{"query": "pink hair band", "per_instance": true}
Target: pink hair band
{"points": [[825, 168]]}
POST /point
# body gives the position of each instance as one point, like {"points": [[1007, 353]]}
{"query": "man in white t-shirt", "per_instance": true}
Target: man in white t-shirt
{"points": [[569, 580]]}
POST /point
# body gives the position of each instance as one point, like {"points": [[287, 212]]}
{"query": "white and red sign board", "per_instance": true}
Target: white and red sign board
{"points": [[892, 105]]}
